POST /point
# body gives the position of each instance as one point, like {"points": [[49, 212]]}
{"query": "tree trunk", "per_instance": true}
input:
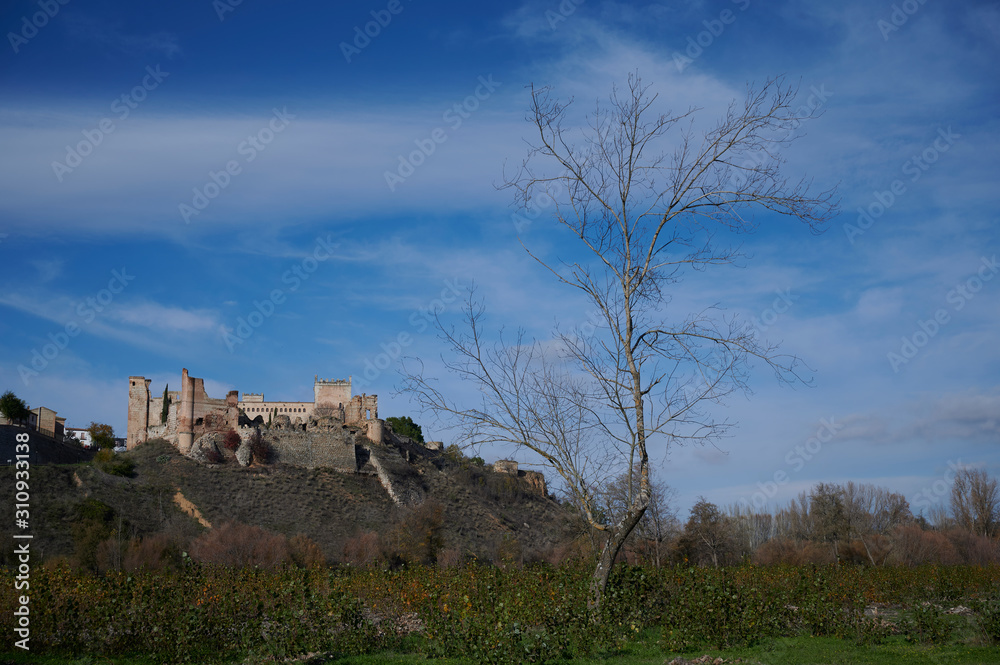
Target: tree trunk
{"points": [[612, 546]]}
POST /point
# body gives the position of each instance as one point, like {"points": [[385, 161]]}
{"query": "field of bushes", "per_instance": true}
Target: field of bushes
{"points": [[487, 614]]}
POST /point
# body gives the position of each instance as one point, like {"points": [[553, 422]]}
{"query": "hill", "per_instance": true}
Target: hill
{"points": [[480, 511]]}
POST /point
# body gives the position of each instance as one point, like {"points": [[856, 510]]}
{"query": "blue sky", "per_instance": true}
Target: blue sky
{"points": [[168, 171]]}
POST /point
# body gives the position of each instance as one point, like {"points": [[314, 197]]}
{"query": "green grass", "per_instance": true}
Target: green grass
{"points": [[782, 651]]}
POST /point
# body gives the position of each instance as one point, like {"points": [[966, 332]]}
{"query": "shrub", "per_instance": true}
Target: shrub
{"points": [[305, 552], [240, 545], [261, 449], [232, 440], [363, 550], [107, 461], [156, 552]]}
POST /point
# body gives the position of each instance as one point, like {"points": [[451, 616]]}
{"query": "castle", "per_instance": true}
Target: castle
{"points": [[191, 413]]}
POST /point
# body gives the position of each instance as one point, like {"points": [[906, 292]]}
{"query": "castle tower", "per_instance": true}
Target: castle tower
{"points": [[331, 392], [185, 414], [138, 410]]}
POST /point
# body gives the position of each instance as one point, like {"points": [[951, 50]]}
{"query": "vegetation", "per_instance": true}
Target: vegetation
{"points": [[405, 426], [103, 436], [165, 411], [232, 441], [199, 613], [107, 461], [13, 408]]}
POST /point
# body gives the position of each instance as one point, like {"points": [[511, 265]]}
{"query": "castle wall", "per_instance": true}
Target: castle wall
{"points": [[333, 449]]}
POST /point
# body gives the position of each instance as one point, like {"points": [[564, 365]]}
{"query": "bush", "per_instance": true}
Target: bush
{"points": [[232, 440], [363, 550], [261, 449], [240, 545], [305, 552], [107, 461]]}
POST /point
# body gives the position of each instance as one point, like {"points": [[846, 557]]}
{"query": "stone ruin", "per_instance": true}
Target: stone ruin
{"points": [[191, 413]]}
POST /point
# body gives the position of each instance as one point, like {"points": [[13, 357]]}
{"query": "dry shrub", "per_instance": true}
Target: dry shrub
{"points": [[972, 549], [232, 440], [261, 449], [305, 552], [156, 552], [874, 549], [240, 545], [786, 551], [213, 456], [363, 550], [450, 557], [109, 554], [417, 537], [912, 546]]}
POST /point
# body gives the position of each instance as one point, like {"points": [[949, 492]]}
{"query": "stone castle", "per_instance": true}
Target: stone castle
{"points": [[191, 413], [336, 430]]}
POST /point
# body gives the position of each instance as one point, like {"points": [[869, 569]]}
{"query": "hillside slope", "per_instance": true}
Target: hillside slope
{"points": [[481, 509]]}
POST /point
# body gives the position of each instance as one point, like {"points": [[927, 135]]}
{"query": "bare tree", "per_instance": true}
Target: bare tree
{"points": [[873, 511], [975, 501], [643, 214], [658, 525]]}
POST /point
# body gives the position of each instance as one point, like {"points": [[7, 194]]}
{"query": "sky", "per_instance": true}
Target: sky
{"points": [[262, 192]]}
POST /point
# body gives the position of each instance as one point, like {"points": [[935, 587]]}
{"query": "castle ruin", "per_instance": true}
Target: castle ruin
{"points": [[191, 413]]}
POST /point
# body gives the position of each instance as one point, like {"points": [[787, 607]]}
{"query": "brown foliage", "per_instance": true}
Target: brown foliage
{"points": [[232, 440], [240, 545], [156, 552], [363, 550], [305, 552], [417, 537], [973, 549], [791, 552], [912, 546]]}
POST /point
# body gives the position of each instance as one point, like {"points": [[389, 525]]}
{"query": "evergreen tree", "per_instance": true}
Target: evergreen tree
{"points": [[166, 405]]}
